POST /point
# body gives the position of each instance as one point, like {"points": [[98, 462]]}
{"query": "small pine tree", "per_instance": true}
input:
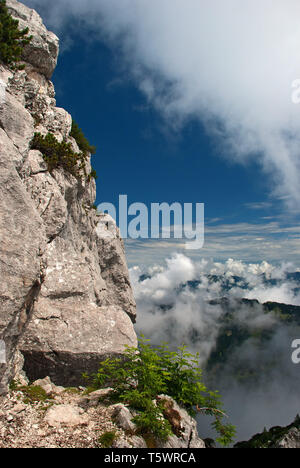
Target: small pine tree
{"points": [[12, 40], [84, 146], [81, 140], [58, 154]]}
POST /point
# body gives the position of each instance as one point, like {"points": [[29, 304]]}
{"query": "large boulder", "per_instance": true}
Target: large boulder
{"points": [[65, 415]]}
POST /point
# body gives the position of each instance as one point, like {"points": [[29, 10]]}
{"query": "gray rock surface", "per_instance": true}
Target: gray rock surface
{"points": [[66, 300], [65, 415], [187, 433], [48, 386], [21, 264], [183, 426], [123, 418], [42, 52]]}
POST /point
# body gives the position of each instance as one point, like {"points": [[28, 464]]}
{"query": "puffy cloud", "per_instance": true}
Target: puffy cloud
{"points": [[179, 270], [171, 310], [229, 64], [174, 299]]}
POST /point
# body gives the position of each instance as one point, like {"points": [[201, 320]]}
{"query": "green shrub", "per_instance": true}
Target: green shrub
{"points": [[72, 390], [12, 40], [107, 439], [13, 385], [81, 140], [58, 154], [92, 175], [147, 372], [33, 394], [84, 145]]}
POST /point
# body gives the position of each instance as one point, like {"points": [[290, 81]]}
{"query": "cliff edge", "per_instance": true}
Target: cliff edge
{"points": [[65, 295]]}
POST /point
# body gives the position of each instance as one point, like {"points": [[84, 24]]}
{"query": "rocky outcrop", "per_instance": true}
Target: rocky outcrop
{"points": [[42, 51], [276, 437], [183, 426], [66, 300], [290, 440]]}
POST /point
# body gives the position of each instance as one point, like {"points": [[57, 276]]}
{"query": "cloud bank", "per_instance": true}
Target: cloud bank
{"points": [[228, 64], [271, 241], [173, 299], [174, 303]]}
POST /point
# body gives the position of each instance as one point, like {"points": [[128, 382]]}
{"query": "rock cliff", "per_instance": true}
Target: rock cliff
{"points": [[66, 300]]}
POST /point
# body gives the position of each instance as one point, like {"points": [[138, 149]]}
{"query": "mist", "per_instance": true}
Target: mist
{"points": [[177, 302]]}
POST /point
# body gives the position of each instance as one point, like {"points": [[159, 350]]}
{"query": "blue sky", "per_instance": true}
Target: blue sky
{"points": [[160, 142], [137, 155]]}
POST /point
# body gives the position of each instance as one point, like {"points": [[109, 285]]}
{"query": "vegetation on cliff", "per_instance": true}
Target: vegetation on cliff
{"points": [[145, 373], [81, 140], [12, 40], [61, 154], [83, 144]]}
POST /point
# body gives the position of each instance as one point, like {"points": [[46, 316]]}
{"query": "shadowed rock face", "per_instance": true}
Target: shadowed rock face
{"points": [[65, 296]]}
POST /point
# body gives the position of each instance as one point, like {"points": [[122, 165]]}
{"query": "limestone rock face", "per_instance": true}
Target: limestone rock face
{"points": [[66, 300], [42, 52], [21, 264], [184, 426]]}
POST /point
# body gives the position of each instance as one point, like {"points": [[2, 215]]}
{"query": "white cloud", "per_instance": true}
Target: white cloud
{"points": [[268, 241], [169, 312], [229, 64]]}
